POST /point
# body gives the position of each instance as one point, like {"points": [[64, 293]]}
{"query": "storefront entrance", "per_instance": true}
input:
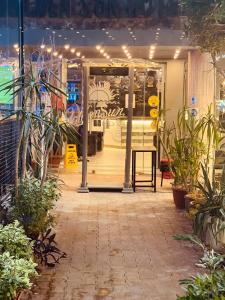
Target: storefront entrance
{"points": [[123, 107]]}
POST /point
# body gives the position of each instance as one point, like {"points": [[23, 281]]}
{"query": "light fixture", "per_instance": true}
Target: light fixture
{"points": [[60, 56], [78, 54], [55, 53], [124, 47], [67, 46], [42, 46], [102, 51], [49, 50], [15, 46], [78, 32], [72, 50], [104, 54], [108, 57], [98, 47], [83, 57]]}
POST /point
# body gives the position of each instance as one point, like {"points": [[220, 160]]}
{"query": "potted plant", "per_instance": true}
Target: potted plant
{"points": [[190, 141], [209, 216], [184, 148], [16, 261]]}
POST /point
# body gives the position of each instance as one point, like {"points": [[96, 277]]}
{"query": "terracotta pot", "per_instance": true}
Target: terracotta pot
{"points": [[179, 197], [54, 160]]}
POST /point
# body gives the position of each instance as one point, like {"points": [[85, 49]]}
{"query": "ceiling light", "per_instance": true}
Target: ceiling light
{"points": [[108, 57], [107, 32], [78, 54], [103, 29], [49, 50], [15, 45], [71, 28], [83, 36], [105, 54], [126, 51], [47, 28], [72, 50], [101, 50], [60, 56], [53, 32], [152, 47], [124, 47], [42, 46], [59, 35], [78, 32], [83, 57], [67, 46], [55, 53], [98, 47]]}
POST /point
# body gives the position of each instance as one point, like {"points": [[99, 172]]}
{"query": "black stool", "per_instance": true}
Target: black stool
{"points": [[152, 181]]}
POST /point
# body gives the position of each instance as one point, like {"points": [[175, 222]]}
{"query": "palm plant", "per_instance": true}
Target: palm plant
{"points": [[39, 129], [189, 142]]}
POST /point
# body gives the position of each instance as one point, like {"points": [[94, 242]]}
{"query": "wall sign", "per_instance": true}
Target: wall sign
{"points": [[104, 101]]}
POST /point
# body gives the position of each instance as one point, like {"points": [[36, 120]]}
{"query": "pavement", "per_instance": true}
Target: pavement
{"points": [[119, 247]]}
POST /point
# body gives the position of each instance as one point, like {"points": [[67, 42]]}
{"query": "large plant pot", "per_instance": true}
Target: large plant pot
{"points": [[179, 197], [215, 242]]}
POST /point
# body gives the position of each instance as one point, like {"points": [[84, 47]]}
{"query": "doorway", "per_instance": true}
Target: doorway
{"points": [[108, 98]]}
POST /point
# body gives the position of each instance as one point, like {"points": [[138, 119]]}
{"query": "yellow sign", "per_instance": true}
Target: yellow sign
{"points": [[154, 113], [71, 160], [153, 101], [154, 124]]}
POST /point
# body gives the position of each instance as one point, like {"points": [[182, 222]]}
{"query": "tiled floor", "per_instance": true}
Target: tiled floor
{"points": [[119, 247]]}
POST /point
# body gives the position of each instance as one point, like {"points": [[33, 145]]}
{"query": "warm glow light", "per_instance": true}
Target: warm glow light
{"points": [[101, 51], [42, 46], [83, 57], [126, 51], [105, 54], [78, 54], [60, 56], [49, 50], [15, 46], [72, 50], [55, 53], [67, 46], [108, 57], [98, 47], [124, 47], [152, 47]]}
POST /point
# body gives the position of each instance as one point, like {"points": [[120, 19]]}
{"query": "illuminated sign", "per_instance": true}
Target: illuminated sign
{"points": [[6, 75]]}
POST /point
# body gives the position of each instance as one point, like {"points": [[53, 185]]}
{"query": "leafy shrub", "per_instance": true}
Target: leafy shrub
{"points": [[32, 204], [14, 240], [205, 287], [15, 275]]}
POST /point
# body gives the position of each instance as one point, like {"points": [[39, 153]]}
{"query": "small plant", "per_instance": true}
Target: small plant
{"points": [[14, 240], [205, 286], [15, 274], [32, 204], [46, 250]]}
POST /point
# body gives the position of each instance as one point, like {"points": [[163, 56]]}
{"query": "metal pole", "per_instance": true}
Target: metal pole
{"points": [[127, 185], [21, 46], [84, 187]]}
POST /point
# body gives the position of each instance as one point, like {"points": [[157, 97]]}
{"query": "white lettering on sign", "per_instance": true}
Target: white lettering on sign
{"points": [[104, 114]]}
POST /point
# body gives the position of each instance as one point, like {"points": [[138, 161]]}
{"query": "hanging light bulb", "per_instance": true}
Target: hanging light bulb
{"points": [[67, 46]]}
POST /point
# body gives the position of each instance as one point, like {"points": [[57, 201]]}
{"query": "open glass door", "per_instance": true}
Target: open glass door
{"points": [[107, 113]]}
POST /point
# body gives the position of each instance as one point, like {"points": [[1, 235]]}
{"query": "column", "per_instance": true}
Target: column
{"points": [[84, 187], [127, 188]]}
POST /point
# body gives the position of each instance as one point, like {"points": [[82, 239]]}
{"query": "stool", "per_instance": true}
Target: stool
{"points": [[152, 151], [165, 170]]}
